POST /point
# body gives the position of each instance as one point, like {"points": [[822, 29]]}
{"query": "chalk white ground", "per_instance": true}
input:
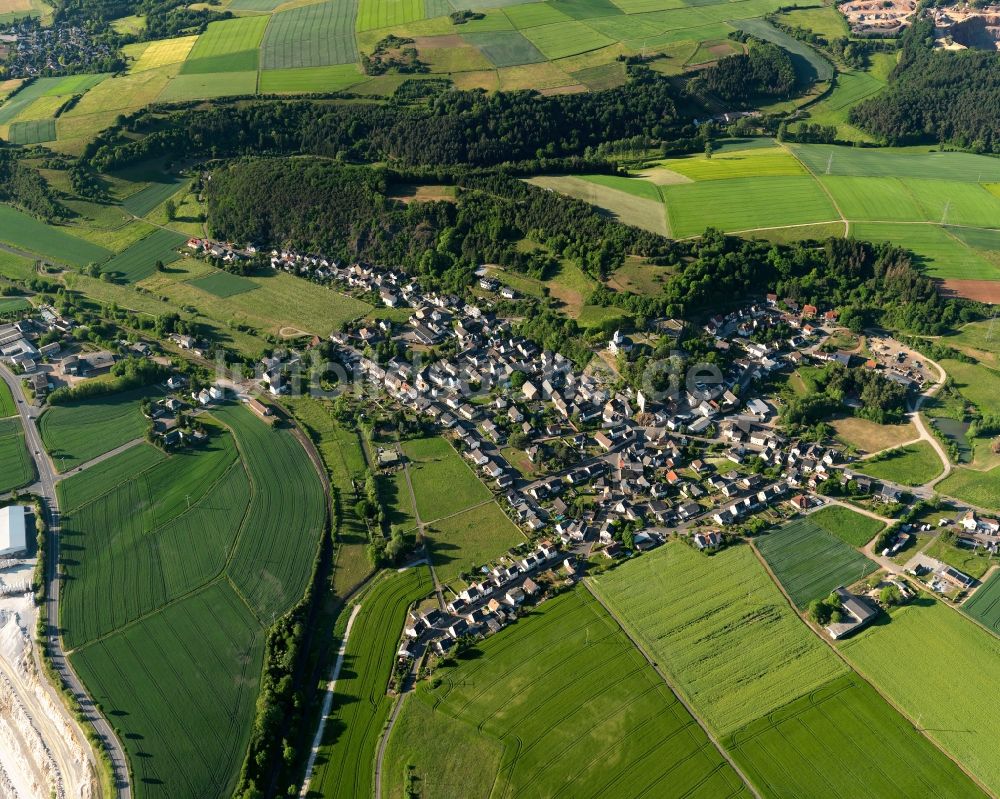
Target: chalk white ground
{"points": [[43, 752]]}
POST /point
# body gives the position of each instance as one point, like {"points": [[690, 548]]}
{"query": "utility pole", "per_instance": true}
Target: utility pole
{"points": [[829, 163]]}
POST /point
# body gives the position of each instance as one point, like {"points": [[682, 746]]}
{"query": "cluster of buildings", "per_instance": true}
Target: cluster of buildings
{"points": [[30, 50], [488, 605], [630, 455]]}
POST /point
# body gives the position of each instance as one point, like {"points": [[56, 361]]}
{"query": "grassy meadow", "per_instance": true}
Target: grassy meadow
{"points": [[910, 465], [443, 482], [850, 527], [470, 539]]}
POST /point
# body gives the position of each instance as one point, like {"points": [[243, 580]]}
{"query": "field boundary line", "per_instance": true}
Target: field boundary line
{"points": [[680, 698], [222, 573], [140, 619], [854, 669], [829, 194]]}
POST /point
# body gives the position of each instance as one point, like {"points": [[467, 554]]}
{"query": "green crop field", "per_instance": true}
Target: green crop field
{"points": [[139, 545], [912, 465], [566, 38], [854, 528], [810, 562], [559, 704], [25, 96], [74, 434], [801, 749], [13, 305], [223, 284], [470, 539], [948, 660], [969, 485], [443, 482], [751, 163], [345, 764], [883, 199], [721, 628], [375, 14], [16, 467], [148, 544], [7, 405], [311, 36], [272, 562], [103, 477], [14, 267], [940, 251], [310, 79], [227, 46], [746, 203], [149, 197], [532, 15], [32, 131], [984, 605], [139, 261], [181, 687], [28, 233], [208, 86], [505, 48], [830, 159]]}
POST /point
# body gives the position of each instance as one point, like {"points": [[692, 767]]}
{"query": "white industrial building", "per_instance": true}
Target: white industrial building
{"points": [[13, 536]]}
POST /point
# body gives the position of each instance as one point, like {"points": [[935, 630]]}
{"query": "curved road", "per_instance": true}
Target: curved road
{"points": [[45, 488]]}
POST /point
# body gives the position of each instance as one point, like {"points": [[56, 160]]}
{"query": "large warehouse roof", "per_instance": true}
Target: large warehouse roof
{"points": [[12, 529]]}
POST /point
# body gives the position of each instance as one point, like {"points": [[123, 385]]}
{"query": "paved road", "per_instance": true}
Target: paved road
{"points": [[46, 490]]}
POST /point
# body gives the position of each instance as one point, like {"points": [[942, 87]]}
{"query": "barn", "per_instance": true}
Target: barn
{"points": [[13, 538]]}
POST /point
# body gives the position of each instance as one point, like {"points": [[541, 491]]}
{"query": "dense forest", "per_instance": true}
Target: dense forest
{"points": [[24, 187], [448, 128], [943, 95], [344, 212], [764, 72]]}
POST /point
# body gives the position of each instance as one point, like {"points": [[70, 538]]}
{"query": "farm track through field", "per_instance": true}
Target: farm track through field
{"points": [[711, 737]]}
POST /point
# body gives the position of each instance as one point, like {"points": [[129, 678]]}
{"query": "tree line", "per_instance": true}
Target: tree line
{"points": [[451, 127]]}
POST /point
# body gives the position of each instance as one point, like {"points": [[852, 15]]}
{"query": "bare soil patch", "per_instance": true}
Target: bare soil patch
{"points": [[979, 290]]}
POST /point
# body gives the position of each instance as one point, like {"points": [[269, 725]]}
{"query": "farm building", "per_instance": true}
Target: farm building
{"points": [[13, 538], [857, 613]]}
